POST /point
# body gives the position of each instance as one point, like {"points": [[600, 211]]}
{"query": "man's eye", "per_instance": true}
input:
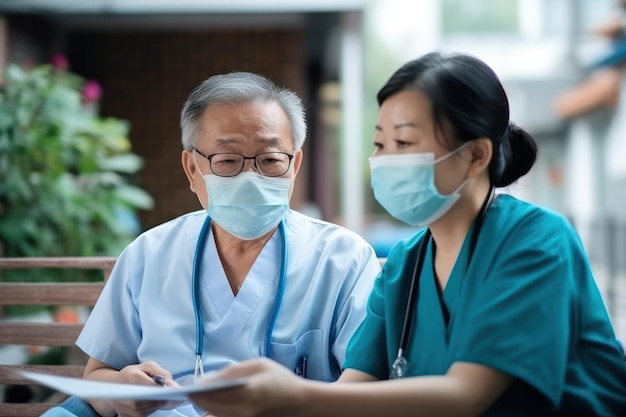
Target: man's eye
{"points": [[225, 162]]}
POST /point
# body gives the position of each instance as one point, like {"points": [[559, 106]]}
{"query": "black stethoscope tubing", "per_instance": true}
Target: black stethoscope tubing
{"points": [[419, 263]]}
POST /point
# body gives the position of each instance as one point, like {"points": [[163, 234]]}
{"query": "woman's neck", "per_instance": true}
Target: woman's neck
{"points": [[449, 231]]}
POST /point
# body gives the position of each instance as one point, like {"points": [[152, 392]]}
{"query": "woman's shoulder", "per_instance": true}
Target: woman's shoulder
{"points": [[406, 248], [510, 212], [514, 221]]}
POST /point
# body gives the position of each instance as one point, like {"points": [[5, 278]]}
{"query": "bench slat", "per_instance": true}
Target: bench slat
{"points": [[78, 262], [25, 409], [9, 375], [33, 293], [39, 334], [13, 332]]}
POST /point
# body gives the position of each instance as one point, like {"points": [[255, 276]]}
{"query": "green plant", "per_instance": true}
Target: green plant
{"points": [[65, 172]]}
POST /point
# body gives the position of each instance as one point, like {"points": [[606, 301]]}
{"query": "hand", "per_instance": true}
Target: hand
{"points": [[142, 374], [272, 390]]}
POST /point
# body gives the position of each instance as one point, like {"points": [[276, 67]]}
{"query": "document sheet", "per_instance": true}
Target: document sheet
{"points": [[87, 389]]}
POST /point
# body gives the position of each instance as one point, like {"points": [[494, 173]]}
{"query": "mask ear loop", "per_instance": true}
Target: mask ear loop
{"points": [[449, 154], [195, 162], [452, 152]]}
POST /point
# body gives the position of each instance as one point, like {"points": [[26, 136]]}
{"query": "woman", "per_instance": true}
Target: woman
{"points": [[490, 310]]}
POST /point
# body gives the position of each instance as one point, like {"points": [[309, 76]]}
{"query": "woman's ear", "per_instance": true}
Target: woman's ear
{"points": [[481, 152]]}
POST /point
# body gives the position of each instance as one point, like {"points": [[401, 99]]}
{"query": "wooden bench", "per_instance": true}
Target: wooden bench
{"points": [[45, 334]]}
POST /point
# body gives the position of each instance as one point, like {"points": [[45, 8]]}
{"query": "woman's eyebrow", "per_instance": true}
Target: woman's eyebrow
{"points": [[405, 124], [398, 126]]}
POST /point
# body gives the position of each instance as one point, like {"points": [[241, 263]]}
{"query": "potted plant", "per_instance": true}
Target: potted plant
{"points": [[66, 173]]}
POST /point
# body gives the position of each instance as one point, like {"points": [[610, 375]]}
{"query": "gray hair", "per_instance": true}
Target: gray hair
{"points": [[240, 88]]}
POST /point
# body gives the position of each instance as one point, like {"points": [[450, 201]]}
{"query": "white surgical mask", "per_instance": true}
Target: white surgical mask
{"points": [[404, 184], [248, 205]]}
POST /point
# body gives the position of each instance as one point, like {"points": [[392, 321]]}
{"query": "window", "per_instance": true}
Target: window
{"points": [[479, 16]]}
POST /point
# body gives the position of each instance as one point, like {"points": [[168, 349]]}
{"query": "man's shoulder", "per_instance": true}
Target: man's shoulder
{"points": [[316, 231], [304, 222], [168, 231], [334, 247], [174, 224]]}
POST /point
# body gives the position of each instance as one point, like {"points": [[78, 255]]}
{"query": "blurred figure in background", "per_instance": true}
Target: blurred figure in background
{"points": [[601, 88]]}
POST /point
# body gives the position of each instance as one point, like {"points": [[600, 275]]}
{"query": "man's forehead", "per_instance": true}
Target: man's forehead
{"points": [[274, 141], [247, 124]]}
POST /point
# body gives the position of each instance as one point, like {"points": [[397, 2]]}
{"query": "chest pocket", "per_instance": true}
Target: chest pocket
{"points": [[309, 345]]}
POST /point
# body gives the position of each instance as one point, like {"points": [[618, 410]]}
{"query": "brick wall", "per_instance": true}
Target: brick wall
{"points": [[147, 76]]}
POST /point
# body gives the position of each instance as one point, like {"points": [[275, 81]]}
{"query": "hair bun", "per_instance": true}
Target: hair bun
{"points": [[518, 151]]}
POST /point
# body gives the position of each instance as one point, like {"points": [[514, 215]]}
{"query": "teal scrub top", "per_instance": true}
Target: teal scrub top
{"points": [[526, 305]]}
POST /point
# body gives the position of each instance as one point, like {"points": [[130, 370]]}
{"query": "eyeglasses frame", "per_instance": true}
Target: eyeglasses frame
{"points": [[208, 157]]}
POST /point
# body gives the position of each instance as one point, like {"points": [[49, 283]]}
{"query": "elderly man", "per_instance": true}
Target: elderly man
{"points": [[246, 278]]}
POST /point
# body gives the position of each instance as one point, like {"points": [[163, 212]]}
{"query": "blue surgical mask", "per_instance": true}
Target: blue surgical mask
{"points": [[248, 205], [404, 184]]}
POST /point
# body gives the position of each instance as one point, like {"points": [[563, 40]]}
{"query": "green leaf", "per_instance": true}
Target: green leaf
{"points": [[127, 163], [15, 74], [134, 197], [7, 117]]}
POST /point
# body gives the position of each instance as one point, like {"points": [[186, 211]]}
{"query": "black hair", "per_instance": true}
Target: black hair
{"points": [[468, 96]]}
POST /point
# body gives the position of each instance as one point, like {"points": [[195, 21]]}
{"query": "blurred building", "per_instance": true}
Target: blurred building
{"points": [[149, 54]]}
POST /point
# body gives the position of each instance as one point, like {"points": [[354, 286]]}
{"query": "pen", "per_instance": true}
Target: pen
{"points": [[158, 379], [301, 367]]}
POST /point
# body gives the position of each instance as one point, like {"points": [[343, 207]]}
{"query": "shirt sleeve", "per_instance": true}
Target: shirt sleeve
{"points": [[522, 319], [367, 350], [353, 310], [112, 332]]}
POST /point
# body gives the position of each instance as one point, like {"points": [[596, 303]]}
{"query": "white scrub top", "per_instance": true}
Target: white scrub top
{"points": [[145, 312]]}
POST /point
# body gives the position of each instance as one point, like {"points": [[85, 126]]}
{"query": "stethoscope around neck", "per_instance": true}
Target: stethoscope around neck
{"points": [[195, 290], [401, 365]]}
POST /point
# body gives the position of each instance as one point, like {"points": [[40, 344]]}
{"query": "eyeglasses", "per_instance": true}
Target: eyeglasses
{"points": [[269, 164]]}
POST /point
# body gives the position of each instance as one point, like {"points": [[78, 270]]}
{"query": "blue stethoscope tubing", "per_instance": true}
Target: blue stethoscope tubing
{"points": [[195, 289]]}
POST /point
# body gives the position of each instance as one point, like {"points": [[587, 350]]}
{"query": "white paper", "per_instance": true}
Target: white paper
{"points": [[88, 389]]}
